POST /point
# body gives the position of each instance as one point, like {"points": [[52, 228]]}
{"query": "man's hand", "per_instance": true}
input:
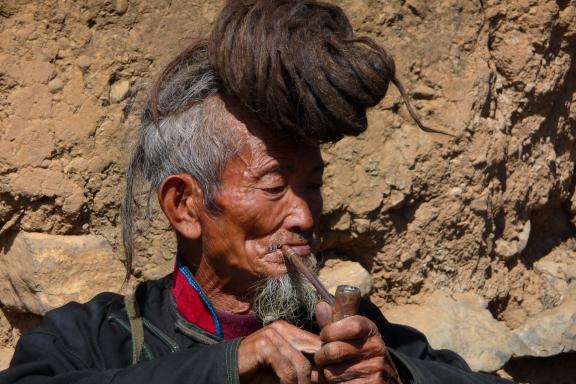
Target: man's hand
{"points": [[352, 351], [274, 354]]}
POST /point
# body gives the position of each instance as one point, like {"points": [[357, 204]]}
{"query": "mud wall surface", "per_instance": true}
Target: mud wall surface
{"points": [[477, 230]]}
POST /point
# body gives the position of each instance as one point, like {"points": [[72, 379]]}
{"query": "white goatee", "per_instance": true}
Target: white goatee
{"points": [[288, 297]]}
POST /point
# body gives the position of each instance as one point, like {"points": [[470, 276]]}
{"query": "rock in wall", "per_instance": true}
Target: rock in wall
{"points": [[490, 212]]}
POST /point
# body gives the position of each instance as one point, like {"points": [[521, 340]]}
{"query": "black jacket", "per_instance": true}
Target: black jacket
{"points": [[91, 344]]}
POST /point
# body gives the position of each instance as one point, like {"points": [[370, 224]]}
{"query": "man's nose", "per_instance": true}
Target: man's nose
{"points": [[301, 217]]}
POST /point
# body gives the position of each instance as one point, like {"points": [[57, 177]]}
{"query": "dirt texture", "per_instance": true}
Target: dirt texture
{"points": [[490, 212]]}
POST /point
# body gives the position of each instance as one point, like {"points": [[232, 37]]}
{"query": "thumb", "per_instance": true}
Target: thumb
{"points": [[323, 314]]}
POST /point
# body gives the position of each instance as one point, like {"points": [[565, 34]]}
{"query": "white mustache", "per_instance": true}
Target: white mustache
{"points": [[276, 245], [272, 248]]}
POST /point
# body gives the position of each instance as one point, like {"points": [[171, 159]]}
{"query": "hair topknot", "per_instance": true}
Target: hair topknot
{"points": [[298, 66]]}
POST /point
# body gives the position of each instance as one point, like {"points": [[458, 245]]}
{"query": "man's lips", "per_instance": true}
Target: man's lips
{"points": [[277, 256], [303, 250]]}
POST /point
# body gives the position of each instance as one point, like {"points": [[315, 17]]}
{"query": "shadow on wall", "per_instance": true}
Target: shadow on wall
{"points": [[560, 369], [12, 325]]}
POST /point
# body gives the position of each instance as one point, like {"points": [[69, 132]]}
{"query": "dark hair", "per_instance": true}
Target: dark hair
{"points": [[299, 67]]}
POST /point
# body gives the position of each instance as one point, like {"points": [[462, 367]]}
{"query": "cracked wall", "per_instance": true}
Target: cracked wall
{"points": [[483, 213]]}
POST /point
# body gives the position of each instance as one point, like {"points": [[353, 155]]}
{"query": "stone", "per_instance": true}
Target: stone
{"points": [[34, 102], [121, 6], [26, 143], [461, 323], [36, 183], [524, 236], [556, 269], [557, 274], [394, 201], [41, 272], [370, 201], [119, 90], [455, 192], [552, 331], [361, 226], [508, 249], [342, 223], [84, 62], [337, 272], [5, 357], [423, 92], [30, 72], [55, 85]]}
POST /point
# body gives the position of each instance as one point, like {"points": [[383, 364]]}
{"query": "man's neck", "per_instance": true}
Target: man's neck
{"points": [[214, 288], [221, 300]]}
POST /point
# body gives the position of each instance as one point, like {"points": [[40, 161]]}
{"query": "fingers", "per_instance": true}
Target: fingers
{"points": [[289, 365], [353, 351], [299, 339], [370, 370], [375, 370], [337, 352], [350, 328], [269, 348], [316, 376], [323, 314]]}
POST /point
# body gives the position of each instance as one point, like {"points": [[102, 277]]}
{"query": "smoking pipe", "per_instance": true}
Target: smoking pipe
{"points": [[347, 298]]}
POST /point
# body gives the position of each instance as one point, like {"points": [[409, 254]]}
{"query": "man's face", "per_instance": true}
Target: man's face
{"points": [[269, 195]]}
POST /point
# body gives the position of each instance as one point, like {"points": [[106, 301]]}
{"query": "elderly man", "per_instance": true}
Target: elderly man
{"points": [[229, 144]]}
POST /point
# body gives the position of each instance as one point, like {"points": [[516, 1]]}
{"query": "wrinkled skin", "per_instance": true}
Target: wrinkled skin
{"points": [[269, 195], [352, 350]]}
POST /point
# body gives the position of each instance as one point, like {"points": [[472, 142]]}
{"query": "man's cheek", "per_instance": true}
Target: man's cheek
{"points": [[261, 223]]}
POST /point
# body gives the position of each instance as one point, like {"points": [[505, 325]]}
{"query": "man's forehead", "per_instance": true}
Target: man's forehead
{"points": [[271, 152], [263, 147]]}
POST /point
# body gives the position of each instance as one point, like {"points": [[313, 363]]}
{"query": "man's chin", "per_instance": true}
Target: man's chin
{"points": [[275, 265], [275, 271], [286, 295]]}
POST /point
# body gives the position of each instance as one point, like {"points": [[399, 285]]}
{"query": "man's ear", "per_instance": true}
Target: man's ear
{"points": [[181, 199]]}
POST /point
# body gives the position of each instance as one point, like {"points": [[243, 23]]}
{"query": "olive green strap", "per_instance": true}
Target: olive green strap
{"points": [[136, 326]]}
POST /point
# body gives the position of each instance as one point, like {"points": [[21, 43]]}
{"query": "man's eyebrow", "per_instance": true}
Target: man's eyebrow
{"points": [[276, 168]]}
